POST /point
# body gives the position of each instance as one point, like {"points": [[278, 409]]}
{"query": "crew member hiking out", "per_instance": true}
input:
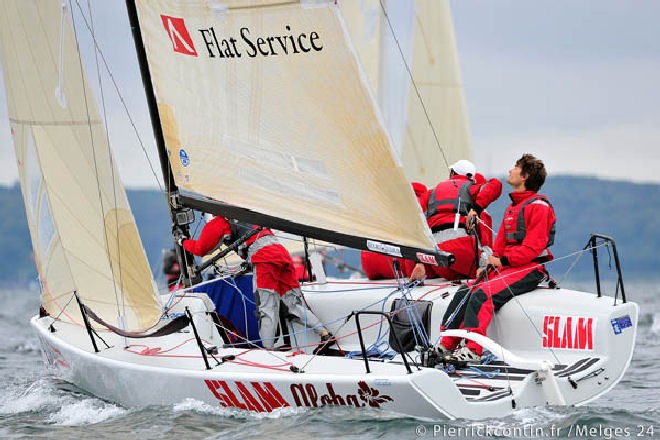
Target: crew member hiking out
{"points": [[517, 264], [274, 277]]}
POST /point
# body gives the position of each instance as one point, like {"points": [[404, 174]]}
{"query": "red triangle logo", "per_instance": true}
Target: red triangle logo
{"points": [[179, 35]]}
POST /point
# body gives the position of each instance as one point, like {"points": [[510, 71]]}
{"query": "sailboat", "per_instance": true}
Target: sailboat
{"points": [[262, 113]]}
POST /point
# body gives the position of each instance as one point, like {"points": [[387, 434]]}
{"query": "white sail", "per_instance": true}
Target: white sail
{"points": [[364, 20], [83, 232], [265, 107], [415, 38], [426, 156]]}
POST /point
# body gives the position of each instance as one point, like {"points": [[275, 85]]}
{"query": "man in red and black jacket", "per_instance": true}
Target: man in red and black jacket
{"points": [[274, 276], [516, 266], [446, 208]]}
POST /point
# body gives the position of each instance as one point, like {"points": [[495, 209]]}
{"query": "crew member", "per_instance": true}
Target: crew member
{"points": [[520, 249], [447, 207], [274, 277]]}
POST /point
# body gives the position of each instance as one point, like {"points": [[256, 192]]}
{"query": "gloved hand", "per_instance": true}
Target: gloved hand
{"points": [[471, 221], [178, 236]]}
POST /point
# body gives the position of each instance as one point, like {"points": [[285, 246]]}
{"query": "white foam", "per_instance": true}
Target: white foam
{"points": [[38, 395], [205, 408], [523, 419], [85, 412], [538, 415], [198, 406], [655, 326], [29, 346]]}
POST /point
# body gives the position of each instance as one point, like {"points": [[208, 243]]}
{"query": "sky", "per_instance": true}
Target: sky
{"points": [[573, 82]]}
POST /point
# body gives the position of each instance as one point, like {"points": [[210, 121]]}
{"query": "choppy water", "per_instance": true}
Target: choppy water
{"points": [[36, 405]]}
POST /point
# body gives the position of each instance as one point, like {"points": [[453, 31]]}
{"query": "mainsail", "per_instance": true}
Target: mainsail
{"points": [[83, 232], [264, 106], [427, 120]]}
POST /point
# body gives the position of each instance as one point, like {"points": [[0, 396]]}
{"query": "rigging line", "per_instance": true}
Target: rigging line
{"points": [[554, 260], [529, 318], [499, 329], [412, 81], [93, 145], [571, 267], [250, 343], [121, 98], [336, 338], [62, 309], [579, 255], [110, 155]]}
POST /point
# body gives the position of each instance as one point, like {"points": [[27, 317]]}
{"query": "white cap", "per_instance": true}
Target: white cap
{"points": [[464, 168]]}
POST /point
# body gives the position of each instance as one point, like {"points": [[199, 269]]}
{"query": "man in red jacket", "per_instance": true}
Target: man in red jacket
{"points": [[516, 266], [446, 208], [274, 277]]}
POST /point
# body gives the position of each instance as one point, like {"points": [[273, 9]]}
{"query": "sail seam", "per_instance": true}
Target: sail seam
{"points": [[271, 5], [33, 122], [118, 295]]}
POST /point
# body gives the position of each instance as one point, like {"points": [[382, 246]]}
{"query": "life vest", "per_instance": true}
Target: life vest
{"points": [[239, 229], [455, 199], [518, 235]]}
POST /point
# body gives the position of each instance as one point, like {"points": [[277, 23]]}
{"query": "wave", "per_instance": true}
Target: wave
{"points": [[85, 412], [60, 406], [36, 397], [655, 326], [197, 406]]}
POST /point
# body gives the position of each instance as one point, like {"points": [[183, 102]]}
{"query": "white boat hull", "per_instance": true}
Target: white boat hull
{"points": [[544, 358]]}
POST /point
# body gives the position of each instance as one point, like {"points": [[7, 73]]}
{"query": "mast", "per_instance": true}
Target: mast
{"points": [[181, 216]]}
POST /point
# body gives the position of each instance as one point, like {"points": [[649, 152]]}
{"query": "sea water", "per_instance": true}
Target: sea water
{"points": [[34, 404]]}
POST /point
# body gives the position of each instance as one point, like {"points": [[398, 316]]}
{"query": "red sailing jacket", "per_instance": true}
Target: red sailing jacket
{"points": [[446, 198], [486, 229], [218, 228], [539, 219]]}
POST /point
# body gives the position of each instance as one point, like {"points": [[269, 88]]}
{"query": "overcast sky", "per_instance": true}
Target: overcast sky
{"points": [[574, 82]]}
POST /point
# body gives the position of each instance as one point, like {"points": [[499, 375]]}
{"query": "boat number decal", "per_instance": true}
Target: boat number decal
{"points": [[618, 324], [264, 397], [569, 332], [388, 249], [184, 158]]}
